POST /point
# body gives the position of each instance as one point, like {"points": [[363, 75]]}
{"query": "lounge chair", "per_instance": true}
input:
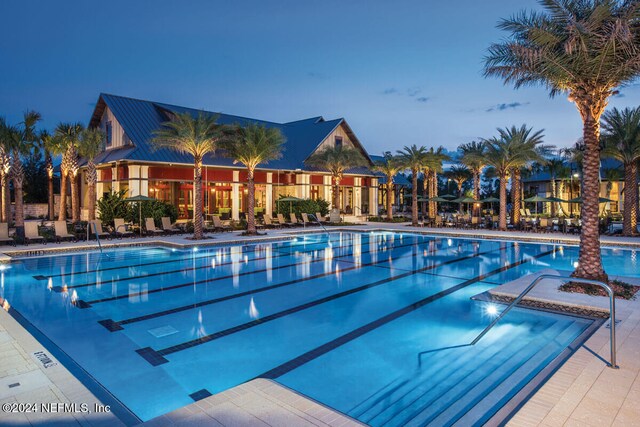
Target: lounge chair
{"points": [[31, 233], [62, 233], [294, 220], [268, 222], [320, 218], [218, 225], [98, 230], [121, 228], [282, 222], [166, 226], [305, 219], [4, 234], [150, 225]]}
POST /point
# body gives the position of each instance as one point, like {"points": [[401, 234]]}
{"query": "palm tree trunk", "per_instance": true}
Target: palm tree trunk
{"points": [[251, 199], [19, 214], [502, 223], [50, 196], [460, 195], [630, 219], [75, 198], [554, 206], [515, 197], [476, 192], [62, 214], [425, 185], [414, 198], [390, 198], [92, 179], [197, 200], [4, 189], [335, 192], [433, 193], [590, 259]]}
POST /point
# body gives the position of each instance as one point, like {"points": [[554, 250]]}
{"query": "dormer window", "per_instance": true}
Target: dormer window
{"points": [[108, 132], [338, 141]]}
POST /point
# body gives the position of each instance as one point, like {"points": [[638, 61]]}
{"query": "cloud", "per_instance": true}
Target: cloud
{"points": [[390, 91], [422, 99], [619, 95], [506, 106], [413, 91]]}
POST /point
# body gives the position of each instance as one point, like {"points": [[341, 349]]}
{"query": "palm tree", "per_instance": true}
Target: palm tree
{"points": [[503, 155], [195, 136], [556, 168], [621, 139], [65, 142], [389, 166], [6, 132], [90, 144], [45, 143], [413, 158], [337, 159], [611, 175], [433, 166], [586, 49], [22, 142], [472, 156], [458, 174], [529, 147], [253, 145]]}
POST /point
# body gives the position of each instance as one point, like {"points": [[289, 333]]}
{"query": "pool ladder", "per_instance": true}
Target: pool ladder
{"points": [[612, 312], [95, 231]]}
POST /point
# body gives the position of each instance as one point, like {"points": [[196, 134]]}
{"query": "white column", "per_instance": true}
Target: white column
{"points": [[373, 197], [326, 179], [269, 195], [235, 196], [115, 184], [357, 196], [138, 180]]}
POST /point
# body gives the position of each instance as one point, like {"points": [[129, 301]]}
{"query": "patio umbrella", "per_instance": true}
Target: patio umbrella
{"points": [[490, 200], [536, 199], [139, 199], [448, 196], [556, 200], [462, 200], [289, 199], [600, 200]]}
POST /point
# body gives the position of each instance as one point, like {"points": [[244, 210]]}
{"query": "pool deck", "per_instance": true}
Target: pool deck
{"points": [[582, 392]]}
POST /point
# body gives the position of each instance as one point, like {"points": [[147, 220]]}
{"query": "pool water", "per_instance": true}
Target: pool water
{"points": [[340, 318]]}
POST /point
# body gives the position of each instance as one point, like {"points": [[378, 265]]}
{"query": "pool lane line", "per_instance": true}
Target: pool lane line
{"points": [[358, 332], [86, 304], [170, 261], [114, 326], [156, 357]]}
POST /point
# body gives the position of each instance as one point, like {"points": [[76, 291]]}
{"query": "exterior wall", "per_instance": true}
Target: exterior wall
{"points": [[118, 137], [330, 139]]}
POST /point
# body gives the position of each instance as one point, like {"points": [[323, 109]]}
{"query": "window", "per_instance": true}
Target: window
{"points": [[108, 133], [338, 141]]}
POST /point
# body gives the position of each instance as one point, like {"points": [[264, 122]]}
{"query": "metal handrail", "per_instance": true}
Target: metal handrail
{"points": [[319, 223], [612, 308], [95, 231]]}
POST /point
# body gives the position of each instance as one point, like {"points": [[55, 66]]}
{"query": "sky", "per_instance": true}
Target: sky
{"points": [[400, 73]]}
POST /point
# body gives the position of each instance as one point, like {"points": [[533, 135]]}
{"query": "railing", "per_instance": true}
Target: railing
{"points": [[319, 223], [607, 288], [95, 231]]}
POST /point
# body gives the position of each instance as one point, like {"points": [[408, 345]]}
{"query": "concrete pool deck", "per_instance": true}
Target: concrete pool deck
{"points": [[584, 391]]}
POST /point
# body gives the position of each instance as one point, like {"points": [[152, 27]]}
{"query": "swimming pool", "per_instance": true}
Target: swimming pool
{"points": [[340, 318]]}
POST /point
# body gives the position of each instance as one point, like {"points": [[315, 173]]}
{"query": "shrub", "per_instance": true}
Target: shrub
{"points": [[304, 205], [112, 206]]}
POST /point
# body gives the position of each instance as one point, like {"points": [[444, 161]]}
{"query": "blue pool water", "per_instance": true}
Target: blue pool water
{"points": [[341, 319]]}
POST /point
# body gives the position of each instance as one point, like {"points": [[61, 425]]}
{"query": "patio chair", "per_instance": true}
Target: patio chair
{"points": [[475, 222], [268, 222], [282, 222], [305, 219], [121, 228], [167, 227], [31, 233], [294, 220], [528, 212], [4, 234], [437, 221], [60, 228], [218, 225], [544, 225], [150, 225], [320, 218], [98, 229]]}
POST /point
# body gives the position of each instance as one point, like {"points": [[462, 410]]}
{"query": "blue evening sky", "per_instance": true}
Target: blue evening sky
{"points": [[401, 72]]}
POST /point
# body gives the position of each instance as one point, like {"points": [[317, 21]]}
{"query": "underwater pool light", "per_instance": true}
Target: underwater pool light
{"points": [[492, 310]]}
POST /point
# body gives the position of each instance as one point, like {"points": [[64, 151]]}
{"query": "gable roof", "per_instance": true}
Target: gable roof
{"points": [[139, 119]]}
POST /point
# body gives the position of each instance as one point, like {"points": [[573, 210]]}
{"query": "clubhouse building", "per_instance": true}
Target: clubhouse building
{"points": [[130, 162]]}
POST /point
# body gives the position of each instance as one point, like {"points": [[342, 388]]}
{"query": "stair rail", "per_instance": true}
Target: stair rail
{"points": [[607, 288], [95, 231], [320, 224]]}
